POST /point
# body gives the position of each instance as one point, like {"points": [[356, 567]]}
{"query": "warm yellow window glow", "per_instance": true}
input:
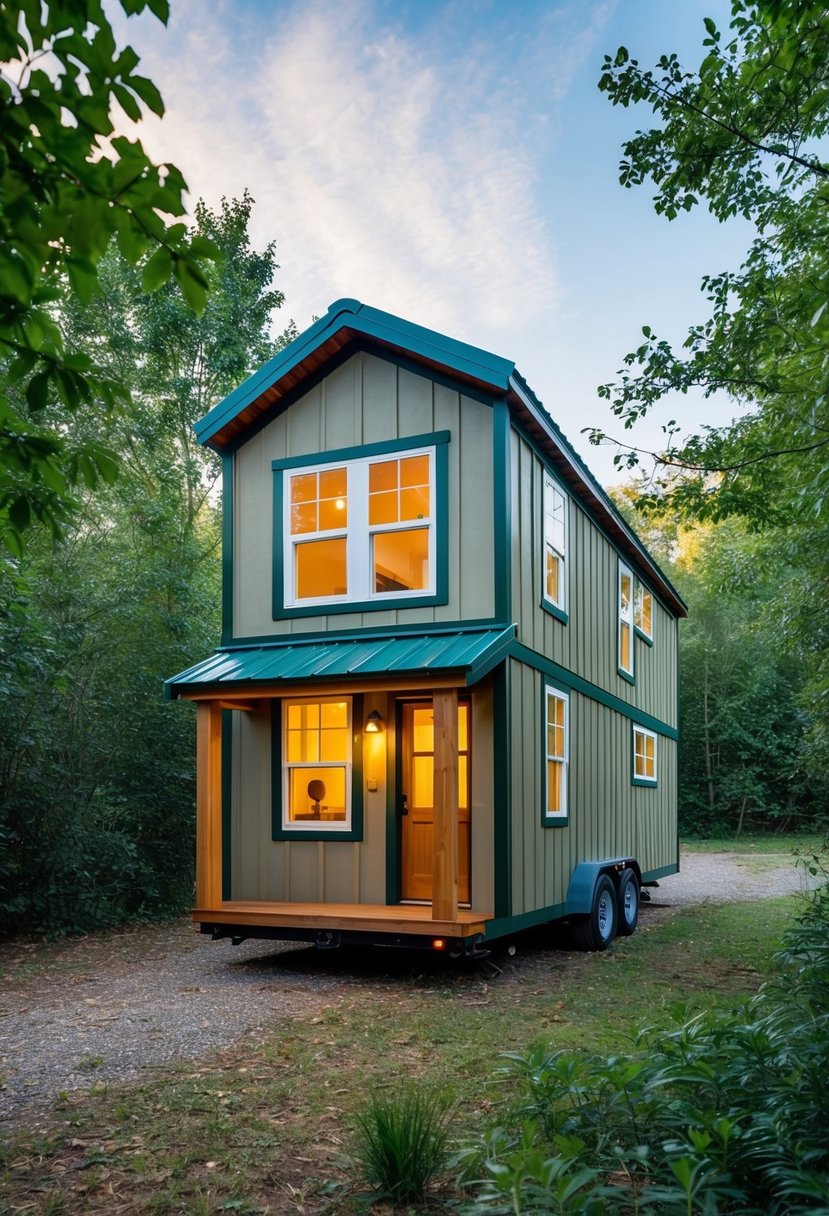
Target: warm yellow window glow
{"points": [[556, 753], [555, 787], [423, 758], [317, 761], [319, 501], [552, 582], [401, 560], [399, 490], [321, 568], [361, 530], [555, 542], [625, 657], [316, 795], [644, 755]]}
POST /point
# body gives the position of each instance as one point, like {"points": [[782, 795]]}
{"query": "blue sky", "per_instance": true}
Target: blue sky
{"points": [[451, 161]]}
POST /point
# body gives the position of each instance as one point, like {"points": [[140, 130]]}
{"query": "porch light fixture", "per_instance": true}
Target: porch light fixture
{"points": [[374, 723]]}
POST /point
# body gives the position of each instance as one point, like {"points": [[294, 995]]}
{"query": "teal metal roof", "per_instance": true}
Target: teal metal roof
{"points": [[472, 652]]}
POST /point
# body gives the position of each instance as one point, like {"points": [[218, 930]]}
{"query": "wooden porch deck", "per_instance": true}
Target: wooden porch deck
{"points": [[367, 918]]}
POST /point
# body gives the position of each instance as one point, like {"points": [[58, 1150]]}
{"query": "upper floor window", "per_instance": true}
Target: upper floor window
{"points": [[360, 528], [644, 756], [625, 619], [643, 612], [556, 751], [555, 545]]}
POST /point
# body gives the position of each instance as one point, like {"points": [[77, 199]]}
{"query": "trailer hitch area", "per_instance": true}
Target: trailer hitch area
{"points": [[327, 939]]}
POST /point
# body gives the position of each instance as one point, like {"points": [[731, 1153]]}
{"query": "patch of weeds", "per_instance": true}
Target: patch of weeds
{"points": [[89, 1063], [400, 1142]]}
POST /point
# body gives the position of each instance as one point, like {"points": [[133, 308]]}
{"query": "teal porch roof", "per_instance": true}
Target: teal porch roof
{"points": [[471, 652]]}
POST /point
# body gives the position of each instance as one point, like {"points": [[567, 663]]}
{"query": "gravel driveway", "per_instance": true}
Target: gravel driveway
{"points": [[110, 1008]]}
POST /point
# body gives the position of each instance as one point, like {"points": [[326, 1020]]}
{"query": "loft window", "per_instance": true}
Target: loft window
{"points": [[316, 750], [644, 756], [555, 545], [360, 530], [625, 621], [643, 612], [556, 732]]}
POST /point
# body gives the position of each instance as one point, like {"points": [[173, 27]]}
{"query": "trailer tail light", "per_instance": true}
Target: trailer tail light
{"points": [[438, 943]]}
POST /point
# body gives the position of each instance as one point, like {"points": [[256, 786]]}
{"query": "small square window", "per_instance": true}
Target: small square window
{"points": [[644, 756]]}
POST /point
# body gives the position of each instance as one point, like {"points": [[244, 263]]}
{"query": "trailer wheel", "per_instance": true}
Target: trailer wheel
{"points": [[597, 930], [627, 896]]}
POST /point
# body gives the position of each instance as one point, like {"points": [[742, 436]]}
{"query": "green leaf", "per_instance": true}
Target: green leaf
{"points": [[157, 270], [37, 390], [193, 284], [148, 93]]}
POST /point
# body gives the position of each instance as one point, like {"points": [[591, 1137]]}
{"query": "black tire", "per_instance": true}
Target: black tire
{"points": [[597, 930], [627, 897]]}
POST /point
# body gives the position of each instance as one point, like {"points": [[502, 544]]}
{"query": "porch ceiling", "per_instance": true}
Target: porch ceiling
{"points": [[470, 652]]}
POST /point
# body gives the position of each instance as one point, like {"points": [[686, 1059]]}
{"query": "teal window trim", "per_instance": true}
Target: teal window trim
{"points": [[332, 835], [394, 784], [574, 683], [624, 621], [644, 637], [557, 819], [502, 790], [648, 782], [227, 803], [439, 441], [557, 609], [365, 451], [502, 507], [227, 547]]}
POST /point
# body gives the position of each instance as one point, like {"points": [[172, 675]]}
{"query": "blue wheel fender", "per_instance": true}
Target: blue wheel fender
{"points": [[583, 882]]}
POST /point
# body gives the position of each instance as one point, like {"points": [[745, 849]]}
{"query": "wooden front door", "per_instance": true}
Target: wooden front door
{"points": [[418, 797]]}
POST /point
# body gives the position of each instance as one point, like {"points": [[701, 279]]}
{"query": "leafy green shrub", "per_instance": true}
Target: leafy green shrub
{"points": [[727, 1114], [400, 1142]]}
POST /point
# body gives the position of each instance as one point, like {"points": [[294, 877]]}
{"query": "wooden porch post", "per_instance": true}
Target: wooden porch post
{"points": [[208, 805], [445, 872]]}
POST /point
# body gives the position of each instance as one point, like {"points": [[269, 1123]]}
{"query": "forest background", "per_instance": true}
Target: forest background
{"points": [[121, 327]]}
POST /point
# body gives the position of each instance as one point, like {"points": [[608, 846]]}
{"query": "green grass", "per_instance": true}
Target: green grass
{"points": [[265, 1126], [768, 843]]}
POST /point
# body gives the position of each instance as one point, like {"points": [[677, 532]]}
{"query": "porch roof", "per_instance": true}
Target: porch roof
{"points": [[471, 652]]}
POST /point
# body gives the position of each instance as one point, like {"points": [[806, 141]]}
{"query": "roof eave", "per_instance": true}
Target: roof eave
{"points": [[576, 473], [349, 321]]}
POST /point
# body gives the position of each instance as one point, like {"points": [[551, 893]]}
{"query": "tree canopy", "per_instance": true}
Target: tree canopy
{"points": [[69, 184], [741, 134]]}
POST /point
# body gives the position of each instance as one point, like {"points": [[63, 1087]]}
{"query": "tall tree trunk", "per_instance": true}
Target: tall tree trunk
{"points": [[709, 767]]}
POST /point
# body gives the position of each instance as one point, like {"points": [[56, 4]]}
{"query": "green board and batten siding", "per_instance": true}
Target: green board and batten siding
{"points": [[368, 400], [608, 815], [587, 643]]}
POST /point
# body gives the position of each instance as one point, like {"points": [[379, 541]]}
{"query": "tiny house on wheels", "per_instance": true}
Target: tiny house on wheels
{"points": [[444, 707]]}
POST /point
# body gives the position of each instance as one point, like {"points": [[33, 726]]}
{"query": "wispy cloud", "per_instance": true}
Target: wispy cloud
{"points": [[395, 166]]}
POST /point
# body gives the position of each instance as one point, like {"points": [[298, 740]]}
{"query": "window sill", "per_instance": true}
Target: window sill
{"points": [[644, 636], [644, 782], [341, 606], [555, 821], [555, 611], [330, 834], [626, 676]]}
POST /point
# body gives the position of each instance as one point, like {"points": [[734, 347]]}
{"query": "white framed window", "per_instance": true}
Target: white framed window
{"points": [[317, 764], [643, 611], [555, 545], [625, 620], [359, 530], [644, 756], [557, 746]]}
